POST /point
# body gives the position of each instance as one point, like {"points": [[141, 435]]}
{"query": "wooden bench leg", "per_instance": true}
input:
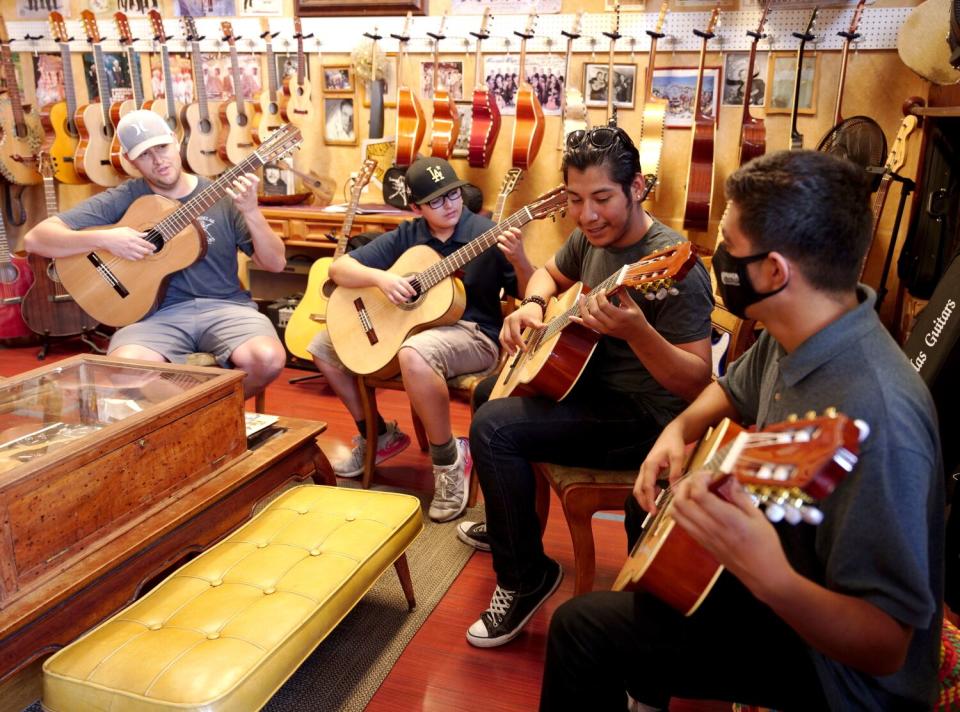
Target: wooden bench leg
{"points": [[368, 397], [403, 571], [260, 402]]}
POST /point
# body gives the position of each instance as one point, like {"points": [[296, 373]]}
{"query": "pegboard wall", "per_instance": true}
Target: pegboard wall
{"points": [[878, 31]]}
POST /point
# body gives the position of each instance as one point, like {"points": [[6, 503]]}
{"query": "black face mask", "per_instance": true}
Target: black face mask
{"points": [[734, 283]]}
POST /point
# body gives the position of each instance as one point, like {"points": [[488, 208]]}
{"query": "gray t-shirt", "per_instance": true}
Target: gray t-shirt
{"points": [[680, 319], [212, 277], [881, 539]]}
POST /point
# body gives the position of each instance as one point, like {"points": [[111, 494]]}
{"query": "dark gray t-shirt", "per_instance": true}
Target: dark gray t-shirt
{"points": [[680, 319], [882, 534], [212, 277]]}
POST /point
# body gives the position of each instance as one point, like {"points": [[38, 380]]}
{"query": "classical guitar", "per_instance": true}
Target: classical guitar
{"points": [[509, 184], [796, 138], [787, 466], [116, 291], [573, 110], [367, 329], [310, 316], [557, 353], [485, 121], [47, 307], [753, 131], [446, 118], [201, 131], [92, 159], [410, 122], [60, 118], [613, 35], [271, 111], [654, 109], [236, 116], [21, 127], [167, 107], [120, 108], [528, 127], [15, 279], [700, 177], [299, 101], [848, 37]]}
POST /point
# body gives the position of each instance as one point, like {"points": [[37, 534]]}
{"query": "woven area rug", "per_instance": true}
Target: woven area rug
{"points": [[346, 669]]}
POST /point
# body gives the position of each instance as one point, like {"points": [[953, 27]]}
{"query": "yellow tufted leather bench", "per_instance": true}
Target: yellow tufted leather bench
{"points": [[224, 631]]}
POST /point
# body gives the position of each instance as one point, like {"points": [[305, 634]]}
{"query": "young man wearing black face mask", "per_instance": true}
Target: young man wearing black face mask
{"points": [[850, 611]]}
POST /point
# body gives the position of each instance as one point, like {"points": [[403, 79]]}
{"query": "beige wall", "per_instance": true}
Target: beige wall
{"points": [[877, 83]]}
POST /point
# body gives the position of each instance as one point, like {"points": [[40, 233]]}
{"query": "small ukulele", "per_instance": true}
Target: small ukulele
{"points": [[237, 115], [786, 467], [272, 111]]}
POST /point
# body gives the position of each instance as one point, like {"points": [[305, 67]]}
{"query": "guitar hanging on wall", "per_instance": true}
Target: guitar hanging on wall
{"points": [[446, 118], [529, 124], [201, 133], [237, 115], [654, 111], [21, 127], [116, 291], [753, 131], [613, 35], [120, 109], [485, 121], [796, 138], [299, 93], [411, 125], [271, 112], [573, 110], [168, 107], [60, 117], [696, 216]]}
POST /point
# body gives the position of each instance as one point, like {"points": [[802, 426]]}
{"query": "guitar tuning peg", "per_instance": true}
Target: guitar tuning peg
{"points": [[830, 412], [810, 414], [673, 291], [661, 294], [774, 512], [792, 418], [792, 515], [811, 515], [863, 428], [649, 296]]}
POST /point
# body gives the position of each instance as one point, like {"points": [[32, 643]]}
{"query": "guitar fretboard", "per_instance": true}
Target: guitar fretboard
{"points": [[200, 86], [69, 94]]}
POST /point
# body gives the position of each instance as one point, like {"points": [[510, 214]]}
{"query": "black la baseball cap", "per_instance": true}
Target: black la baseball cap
{"points": [[429, 178]]}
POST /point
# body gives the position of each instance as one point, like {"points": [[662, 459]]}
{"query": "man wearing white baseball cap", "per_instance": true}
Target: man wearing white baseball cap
{"points": [[204, 307]]}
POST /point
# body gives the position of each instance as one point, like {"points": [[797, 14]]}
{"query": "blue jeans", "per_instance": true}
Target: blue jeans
{"points": [[592, 427]]}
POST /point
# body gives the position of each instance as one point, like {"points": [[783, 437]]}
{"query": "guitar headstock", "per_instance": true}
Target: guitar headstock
{"points": [[367, 170], [812, 21], [156, 26], [851, 33], [89, 21], [404, 35], [189, 28], [123, 28], [280, 143], [616, 20], [484, 32], [58, 28], [898, 150], [656, 273], [758, 33], [297, 28], [791, 464], [45, 164], [531, 24], [510, 181], [228, 35], [661, 18], [549, 204], [714, 20]]}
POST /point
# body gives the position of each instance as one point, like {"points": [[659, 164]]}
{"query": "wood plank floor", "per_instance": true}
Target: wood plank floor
{"points": [[439, 670]]}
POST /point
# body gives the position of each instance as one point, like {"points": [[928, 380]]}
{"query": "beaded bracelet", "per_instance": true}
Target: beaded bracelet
{"points": [[535, 299]]}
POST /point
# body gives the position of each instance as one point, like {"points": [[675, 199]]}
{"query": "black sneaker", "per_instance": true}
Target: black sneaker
{"points": [[474, 534], [509, 611]]}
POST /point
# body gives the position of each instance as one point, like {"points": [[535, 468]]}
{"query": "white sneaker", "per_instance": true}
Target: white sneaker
{"points": [[391, 443], [451, 485]]}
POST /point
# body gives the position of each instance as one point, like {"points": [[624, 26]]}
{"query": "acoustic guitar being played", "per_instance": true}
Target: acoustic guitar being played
{"points": [[117, 291], [367, 329], [787, 467], [556, 353]]}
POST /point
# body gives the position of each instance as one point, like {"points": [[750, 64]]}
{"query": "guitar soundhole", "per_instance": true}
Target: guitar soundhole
{"points": [[107, 131], [413, 302], [71, 127], [21, 130], [52, 272], [171, 122], [328, 287], [241, 119], [274, 109], [205, 126], [8, 273], [156, 239]]}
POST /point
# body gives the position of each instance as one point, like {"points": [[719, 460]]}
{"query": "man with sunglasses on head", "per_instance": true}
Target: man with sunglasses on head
{"points": [[653, 358], [427, 359]]}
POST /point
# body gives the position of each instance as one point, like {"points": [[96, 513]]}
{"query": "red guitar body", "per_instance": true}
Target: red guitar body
{"points": [[696, 216], [48, 309], [446, 125], [410, 126], [528, 131], [753, 140], [15, 280], [484, 128]]}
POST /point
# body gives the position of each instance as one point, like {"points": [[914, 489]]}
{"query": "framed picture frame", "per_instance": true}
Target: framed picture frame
{"points": [[337, 79], [339, 121], [678, 85], [326, 8], [735, 79], [277, 179], [389, 83], [449, 75], [461, 149], [782, 74], [624, 85]]}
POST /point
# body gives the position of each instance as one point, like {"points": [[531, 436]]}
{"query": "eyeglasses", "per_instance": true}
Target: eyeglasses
{"points": [[600, 137], [451, 197]]}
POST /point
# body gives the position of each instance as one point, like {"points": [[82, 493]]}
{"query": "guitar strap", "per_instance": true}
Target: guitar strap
{"points": [[13, 201]]}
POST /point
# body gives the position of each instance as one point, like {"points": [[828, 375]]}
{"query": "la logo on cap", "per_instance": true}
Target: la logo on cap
{"points": [[436, 172]]}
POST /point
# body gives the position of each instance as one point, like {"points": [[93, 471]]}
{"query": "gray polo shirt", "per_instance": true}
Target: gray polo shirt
{"points": [[882, 534]]}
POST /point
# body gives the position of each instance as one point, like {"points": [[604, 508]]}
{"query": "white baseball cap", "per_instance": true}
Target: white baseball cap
{"points": [[140, 130]]}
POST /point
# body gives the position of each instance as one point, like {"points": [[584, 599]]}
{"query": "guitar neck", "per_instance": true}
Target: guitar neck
{"points": [[199, 86], [50, 195], [562, 321], [698, 99], [133, 59], [273, 83], [70, 95], [651, 65], [843, 76], [4, 246], [748, 84], [13, 91], [610, 114], [501, 204], [796, 138], [102, 87], [301, 59], [879, 200], [167, 81], [235, 73]]}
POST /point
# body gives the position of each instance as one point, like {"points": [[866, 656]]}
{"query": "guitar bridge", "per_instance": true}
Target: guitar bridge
{"points": [[108, 276], [365, 321]]}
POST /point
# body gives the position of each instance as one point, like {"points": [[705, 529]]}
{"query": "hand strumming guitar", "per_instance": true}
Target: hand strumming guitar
{"points": [[667, 457], [511, 333], [126, 242], [397, 288]]}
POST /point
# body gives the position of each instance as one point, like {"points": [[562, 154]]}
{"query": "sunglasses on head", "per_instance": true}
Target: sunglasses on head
{"points": [[600, 137]]}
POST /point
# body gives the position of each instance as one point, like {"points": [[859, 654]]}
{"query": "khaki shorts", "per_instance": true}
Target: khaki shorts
{"points": [[450, 350]]}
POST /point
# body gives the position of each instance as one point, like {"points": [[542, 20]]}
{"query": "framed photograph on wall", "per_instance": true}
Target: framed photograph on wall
{"points": [[337, 79], [678, 85], [389, 84], [277, 179], [449, 75], [461, 149], [339, 121], [544, 73], [624, 85], [782, 76], [735, 79]]}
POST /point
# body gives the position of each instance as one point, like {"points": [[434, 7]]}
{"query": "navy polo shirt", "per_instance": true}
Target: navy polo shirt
{"points": [[483, 277]]}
